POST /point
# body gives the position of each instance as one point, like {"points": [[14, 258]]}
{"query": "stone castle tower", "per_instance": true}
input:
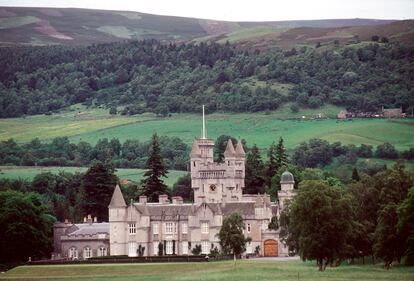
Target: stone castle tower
{"points": [[214, 182]]}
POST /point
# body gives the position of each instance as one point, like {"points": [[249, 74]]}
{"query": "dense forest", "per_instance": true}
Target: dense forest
{"points": [[146, 75]]}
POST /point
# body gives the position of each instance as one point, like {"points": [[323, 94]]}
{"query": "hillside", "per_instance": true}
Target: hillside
{"points": [[41, 26]]}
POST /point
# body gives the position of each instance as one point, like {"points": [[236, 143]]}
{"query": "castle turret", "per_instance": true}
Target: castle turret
{"points": [[286, 192], [117, 217]]}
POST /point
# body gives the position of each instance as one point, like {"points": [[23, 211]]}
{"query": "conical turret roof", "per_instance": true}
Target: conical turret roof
{"points": [[240, 149], [117, 198], [195, 150], [229, 149]]}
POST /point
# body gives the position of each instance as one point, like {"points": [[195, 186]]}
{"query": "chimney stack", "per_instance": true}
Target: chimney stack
{"points": [[84, 219], [163, 199], [177, 200], [143, 199], [95, 219]]}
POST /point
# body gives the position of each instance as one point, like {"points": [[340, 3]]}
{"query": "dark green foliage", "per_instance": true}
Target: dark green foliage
{"points": [[355, 175], [274, 223], [405, 225], [232, 240], [320, 220], [152, 183], [60, 152], [375, 38], [386, 151], [196, 250], [26, 227], [389, 245], [277, 158], [113, 111], [183, 188], [315, 153], [254, 180], [98, 184], [150, 76], [220, 146], [365, 151]]}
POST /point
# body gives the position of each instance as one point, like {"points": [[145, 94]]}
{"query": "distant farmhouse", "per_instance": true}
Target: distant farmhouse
{"points": [[385, 113], [175, 228]]}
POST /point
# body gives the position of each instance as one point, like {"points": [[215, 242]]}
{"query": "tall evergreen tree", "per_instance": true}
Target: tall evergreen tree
{"points": [[152, 183], [355, 175], [254, 181], [98, 184], [281, 156], [271, 167]]}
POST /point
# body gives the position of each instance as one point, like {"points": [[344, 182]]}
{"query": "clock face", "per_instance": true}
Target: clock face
{"points": [[213, 187]]}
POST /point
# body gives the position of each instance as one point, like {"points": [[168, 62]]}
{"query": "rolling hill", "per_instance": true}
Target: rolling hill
{"points": [[42, 26]]}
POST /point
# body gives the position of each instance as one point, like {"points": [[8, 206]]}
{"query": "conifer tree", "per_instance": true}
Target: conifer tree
{"points": [[98, 184], [271, 167], [355, 175], [152, 183], [254, 181], [281, 156]]}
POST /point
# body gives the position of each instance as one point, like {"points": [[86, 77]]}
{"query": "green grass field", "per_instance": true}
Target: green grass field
{"points": [[214, 271], [260, 128], [135, 175]]}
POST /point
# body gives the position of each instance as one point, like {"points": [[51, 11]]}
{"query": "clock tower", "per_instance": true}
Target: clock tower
{"points": [[216, 182]]}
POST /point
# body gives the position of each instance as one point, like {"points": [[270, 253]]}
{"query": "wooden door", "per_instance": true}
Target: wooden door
{"points": [[270, 248]]}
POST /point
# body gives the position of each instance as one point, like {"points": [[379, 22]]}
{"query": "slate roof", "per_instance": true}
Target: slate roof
{"points": [[117, 199], [90, 229], [229, 152], [165, 209], [239, 149]]}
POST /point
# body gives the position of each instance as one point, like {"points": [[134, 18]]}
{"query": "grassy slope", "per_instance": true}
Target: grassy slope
{"points": [[246, 270], [259, 128], [23, 25], [29, 173]]}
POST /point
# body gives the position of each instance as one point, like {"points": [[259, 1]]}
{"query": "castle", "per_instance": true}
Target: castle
{"points": [[175, 228]]}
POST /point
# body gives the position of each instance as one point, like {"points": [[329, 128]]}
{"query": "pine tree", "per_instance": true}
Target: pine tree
{"points": [[281, 156], [355, 175], [98, 184], [272, 166], [152, 183], [254, 181]]}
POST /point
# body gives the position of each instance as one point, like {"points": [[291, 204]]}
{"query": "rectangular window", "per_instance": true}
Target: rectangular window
{"points": [[155, 248], [155, 228], [184, 227], [184, 247], [204, 227], [169, 248], [132, 249], [170, 228], [205, 247], [132, 228], [249, 227]]}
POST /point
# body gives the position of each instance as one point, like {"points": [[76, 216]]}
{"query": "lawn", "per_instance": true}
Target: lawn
{"points": [[245, 271], [29, 173], [260, 128]]}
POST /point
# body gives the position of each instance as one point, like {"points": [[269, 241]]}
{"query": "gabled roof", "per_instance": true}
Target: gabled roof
{"points": [[117, 198], [240, 149], [229, 149], [243, 208], [195, 150]]}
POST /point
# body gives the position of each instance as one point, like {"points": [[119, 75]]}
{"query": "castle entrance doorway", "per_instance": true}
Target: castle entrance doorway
{"points": [[270, 248]]}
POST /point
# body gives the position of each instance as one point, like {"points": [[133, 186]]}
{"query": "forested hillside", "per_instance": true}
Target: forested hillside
{"points": [[140, 76]]}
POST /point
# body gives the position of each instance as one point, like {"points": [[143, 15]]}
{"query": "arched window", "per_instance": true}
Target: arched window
{"points": [[101, 251], [73, 253], [87, 252]]}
